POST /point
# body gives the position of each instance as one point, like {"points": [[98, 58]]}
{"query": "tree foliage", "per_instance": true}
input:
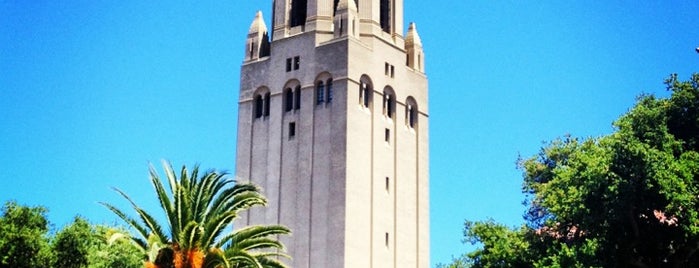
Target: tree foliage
{"points": [[199, 212], [25, 242], [81, 244], [23, 237], [628, 199], [72, 244]]}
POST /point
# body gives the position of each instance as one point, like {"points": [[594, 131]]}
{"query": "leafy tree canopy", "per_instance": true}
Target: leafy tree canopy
{"points": [[628, 199], [25, 242]]}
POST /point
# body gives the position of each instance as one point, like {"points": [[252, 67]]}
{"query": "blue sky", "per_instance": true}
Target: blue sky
{"points": [[92, 91]]}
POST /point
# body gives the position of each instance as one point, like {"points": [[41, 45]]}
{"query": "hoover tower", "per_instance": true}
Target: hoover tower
{"points": [[333, 126]]}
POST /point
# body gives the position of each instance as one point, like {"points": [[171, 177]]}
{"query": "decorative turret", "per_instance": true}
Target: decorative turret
{"points": [[258, 39], [413, 47], [345, 22]]}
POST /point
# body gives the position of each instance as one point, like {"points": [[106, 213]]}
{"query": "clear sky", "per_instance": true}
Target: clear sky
{"points": [[92, 91]]}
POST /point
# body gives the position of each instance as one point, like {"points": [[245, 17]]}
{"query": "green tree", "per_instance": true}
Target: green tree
{"points": [[23, 242], [71, 245], [81, 244], [199, 211], [628, 199], [109, 250]]}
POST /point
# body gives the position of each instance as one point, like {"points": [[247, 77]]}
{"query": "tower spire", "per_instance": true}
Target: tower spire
{"points": [[258, 40], [345, 22], [413, 47]]}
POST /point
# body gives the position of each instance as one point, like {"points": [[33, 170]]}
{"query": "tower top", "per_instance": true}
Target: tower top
{"points": [[344, 4], [412, 37], [258, 24]]}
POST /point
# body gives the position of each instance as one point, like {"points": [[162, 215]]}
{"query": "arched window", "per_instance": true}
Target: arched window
{"points": [[258, 106], [365, 91], [411, 112], [323, 92], [320, 93], [288, 100], [329, 88], [389, 102], [297, 98]]}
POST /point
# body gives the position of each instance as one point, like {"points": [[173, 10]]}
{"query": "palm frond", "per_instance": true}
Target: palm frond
{"points": [[270, 262], [216, 258], [243, 257], [191, 236], [216, 226], [163, 196], [253, 232], [142, 231]]}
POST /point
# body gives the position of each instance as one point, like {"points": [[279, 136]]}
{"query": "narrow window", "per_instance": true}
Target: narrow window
{"points": [[387, 239], [389, 107], [365, 94], [393, 71], [292, 129], [288, 100], [258, 106], [385, 15], [419, 61], [329, 87], [387, 136], [298, 13], [288, 65], [320, 93], [252, 46], [297, 98], [267, 100], [386, 68], [412, 116], [388, 184], [297, 62]]}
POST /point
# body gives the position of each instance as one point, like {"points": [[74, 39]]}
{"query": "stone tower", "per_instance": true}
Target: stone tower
{"points": [[333, 125]]}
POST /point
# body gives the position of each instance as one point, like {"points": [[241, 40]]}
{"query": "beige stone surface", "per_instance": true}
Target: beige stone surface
{"points": [[351, 198]]}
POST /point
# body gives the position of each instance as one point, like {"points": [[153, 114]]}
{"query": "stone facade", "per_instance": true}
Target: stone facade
{"points": [[333, 125]]}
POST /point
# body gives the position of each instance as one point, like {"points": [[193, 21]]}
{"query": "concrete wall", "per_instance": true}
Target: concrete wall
{"points": [[351, 198]]}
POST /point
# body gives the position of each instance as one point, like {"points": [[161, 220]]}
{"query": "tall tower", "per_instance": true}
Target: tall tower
{"points": [[333, 125]]}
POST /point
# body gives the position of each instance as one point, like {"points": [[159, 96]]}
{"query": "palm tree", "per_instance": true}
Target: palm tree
{"points": [[200, 211]]}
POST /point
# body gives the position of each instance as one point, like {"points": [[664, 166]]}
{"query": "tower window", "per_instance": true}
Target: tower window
{"points": [[288, 100], [329, 88], [298, 13], [320, 93], [297, 62], [297, 98], [388, 184], [386, 239], [388, 104], [411, 115], [266, 104], [292, 129], [385, 15], [258, 103], [288, 65], [365, 94], [387, 136]]}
